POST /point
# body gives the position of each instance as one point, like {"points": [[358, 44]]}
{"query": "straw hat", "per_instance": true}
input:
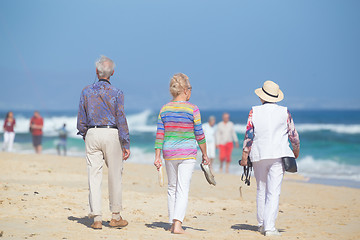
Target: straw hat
{"points": [[270, 92]]}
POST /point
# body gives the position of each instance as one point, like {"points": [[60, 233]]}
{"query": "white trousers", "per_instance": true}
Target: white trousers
{"points": [[8, 141], [269, 174], [179, 174], [103, 146]]}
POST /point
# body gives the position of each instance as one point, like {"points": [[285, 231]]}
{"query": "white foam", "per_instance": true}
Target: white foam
{"points": [[322, 168], [139, 123], [338, 128]]}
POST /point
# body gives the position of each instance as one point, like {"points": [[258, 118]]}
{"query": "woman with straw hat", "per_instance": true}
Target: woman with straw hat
{"points": [[268, 130]]}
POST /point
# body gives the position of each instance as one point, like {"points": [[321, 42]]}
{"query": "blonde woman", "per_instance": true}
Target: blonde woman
{"points": [[178, 129]]}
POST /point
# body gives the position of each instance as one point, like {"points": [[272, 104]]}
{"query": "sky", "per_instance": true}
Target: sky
{"points": [[227, 48]]}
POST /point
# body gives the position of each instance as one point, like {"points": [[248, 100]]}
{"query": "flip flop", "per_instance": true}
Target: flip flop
{"points": [[208, 174], [161, 176]]}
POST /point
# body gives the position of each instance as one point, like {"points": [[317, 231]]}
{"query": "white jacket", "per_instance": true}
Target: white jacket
{"points": [[270, 133]]}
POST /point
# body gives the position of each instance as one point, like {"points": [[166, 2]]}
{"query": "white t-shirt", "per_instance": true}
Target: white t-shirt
{"points": [[209, 132], [225, 133]]}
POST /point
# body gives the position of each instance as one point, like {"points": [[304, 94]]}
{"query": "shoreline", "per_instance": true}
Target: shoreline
{"points": [[288, 176], [45, 197]]}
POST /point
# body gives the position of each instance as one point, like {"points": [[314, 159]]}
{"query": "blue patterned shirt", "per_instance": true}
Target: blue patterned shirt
{"points": [[103, 104]]}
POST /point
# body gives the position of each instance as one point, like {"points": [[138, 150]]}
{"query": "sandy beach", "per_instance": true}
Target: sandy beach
{"points": [[45, 197]]}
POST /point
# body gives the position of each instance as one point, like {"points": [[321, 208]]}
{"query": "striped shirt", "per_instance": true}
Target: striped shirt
{"points": [[178, 129]]}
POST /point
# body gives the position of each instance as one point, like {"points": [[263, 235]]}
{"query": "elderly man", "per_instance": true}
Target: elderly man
{"points": [[103, 125], [225, 136]]}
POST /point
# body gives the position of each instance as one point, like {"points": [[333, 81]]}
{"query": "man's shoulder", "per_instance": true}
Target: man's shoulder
{"points": [[114, 90], [111, 88], [117, 90], [86, 88]]}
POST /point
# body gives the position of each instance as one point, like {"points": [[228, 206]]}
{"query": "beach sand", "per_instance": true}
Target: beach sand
{"points": [[45, 197]]}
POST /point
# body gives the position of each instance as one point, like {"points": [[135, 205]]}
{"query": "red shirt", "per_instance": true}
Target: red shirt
{"points": [[9, 126], [37, 121]]}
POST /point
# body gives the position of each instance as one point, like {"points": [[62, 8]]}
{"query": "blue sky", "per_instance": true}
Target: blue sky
{"points": [[227, 48]]}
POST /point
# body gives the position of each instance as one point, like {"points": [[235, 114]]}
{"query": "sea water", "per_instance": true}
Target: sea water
{"points": [[329, 153]]}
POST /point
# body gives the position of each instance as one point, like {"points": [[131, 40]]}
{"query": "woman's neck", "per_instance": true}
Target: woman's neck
{"points": [[180, 98]]}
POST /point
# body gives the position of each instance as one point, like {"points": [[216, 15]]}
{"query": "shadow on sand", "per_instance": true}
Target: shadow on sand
{"points": [[245, 227], [166, 226], [84, 220], [249, 227]]}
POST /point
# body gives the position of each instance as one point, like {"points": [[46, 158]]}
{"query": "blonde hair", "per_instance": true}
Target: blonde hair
{"points": [[178, 83]]}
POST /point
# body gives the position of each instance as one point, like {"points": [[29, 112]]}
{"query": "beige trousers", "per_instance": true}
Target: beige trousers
{"points": [[103, 146]]}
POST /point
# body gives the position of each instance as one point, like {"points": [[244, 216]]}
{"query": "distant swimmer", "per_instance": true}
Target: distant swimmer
{"points": [[210, 133], [9, 133], [225, 138], [62, 140], [36, 129]]}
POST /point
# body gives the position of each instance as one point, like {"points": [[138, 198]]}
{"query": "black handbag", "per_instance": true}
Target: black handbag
{"points": [[289, 164]]}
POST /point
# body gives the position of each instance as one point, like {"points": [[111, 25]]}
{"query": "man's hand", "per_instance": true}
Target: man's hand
{"points": [[237, 144], [126, 154], [157, 163]]}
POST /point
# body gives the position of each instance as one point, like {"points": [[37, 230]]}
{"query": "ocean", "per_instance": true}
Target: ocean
{"points": [[329, 153]]}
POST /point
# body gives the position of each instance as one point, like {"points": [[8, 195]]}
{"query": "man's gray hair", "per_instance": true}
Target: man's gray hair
{"points": [[105, 67]]}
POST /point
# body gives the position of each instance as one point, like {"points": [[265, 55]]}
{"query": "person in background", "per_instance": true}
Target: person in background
{"points": [[36, 126], [102, 123], [269, 129], [178, 130], [9, 133], [225, 136], [62, 140], [210, 131]]}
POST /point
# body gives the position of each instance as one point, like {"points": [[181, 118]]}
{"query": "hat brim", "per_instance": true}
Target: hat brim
{"points": [[261, 94]]}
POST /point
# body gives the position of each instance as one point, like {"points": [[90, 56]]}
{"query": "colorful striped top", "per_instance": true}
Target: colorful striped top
{"points": [[178, 129]]}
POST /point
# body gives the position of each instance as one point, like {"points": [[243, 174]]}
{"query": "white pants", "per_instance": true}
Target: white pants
{"points": [[179, 174], [8, 140], [211, 150], [103, 146], [269, 174]]}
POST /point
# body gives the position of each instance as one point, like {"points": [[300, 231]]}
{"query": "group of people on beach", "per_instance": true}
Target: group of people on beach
{"points": [[221, 136], [102, 124], [36, 129]]}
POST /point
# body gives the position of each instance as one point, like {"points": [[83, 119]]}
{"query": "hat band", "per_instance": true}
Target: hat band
{"points": [[269, 93]]}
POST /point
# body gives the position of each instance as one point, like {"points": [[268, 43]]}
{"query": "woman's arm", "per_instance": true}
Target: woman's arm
{"points": [[157, 161], [205, 159], [200, 136], [293, 136], [248, 140], [159, 141], [244, 158]]}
